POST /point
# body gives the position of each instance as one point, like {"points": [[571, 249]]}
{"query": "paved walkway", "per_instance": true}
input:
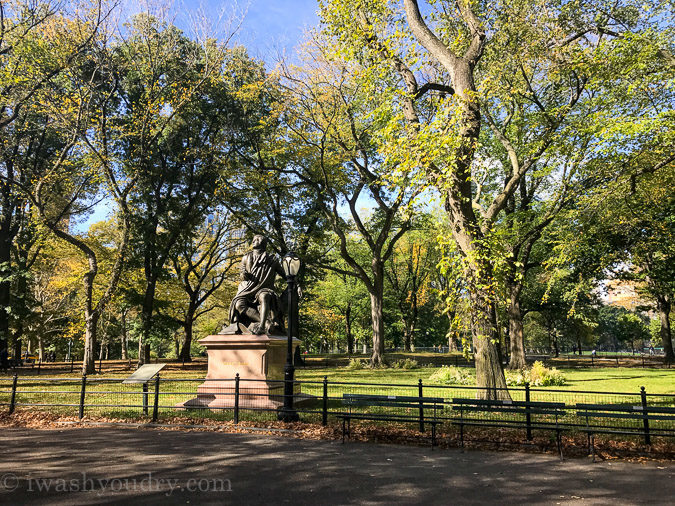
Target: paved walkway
{"points": [[137, 466]]}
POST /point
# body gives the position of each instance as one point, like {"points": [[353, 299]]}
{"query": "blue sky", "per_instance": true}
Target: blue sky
{"points": [[269, 27]]}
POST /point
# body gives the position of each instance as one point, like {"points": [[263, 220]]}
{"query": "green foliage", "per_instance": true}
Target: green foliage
{"points": [[356, 364], [407, 364], [451, 375], [537, 376]]}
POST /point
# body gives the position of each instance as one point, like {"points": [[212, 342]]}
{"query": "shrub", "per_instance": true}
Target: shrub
{"points": [[450, 375], [408, 363], [538, 376], [356, 363]]}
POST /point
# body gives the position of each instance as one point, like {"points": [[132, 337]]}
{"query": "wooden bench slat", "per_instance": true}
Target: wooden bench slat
{"points": [[607, 407], [490, 402], [656, 409], [366, 416], [391, 404], [523, 410], [404, 398], [629, 416]]}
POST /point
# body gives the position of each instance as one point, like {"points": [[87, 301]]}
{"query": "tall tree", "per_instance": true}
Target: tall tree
{"points": [[169, 131], [38, 42], [409, 272]]}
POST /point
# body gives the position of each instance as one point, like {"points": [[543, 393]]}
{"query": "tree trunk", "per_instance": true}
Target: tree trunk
{"points": [[348, 330], [489, 373], [141, 350], [516, 335], [407, 336], [89, 359], [187, 330], [41, 349], [5, 284], [663, 305], [376, 312], [17, 348], [125, 339], [20, 296], [146, 320], [453, 344]]}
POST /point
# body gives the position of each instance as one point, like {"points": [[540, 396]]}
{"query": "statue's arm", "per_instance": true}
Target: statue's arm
{"points": [[279, 270], [244, 268]]}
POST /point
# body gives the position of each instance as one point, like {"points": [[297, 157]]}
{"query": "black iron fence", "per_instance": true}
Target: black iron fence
{"points": [[238, 399]]}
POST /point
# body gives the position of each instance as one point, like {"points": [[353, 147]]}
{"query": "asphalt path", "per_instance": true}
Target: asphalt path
{"points": [[142, 466]]}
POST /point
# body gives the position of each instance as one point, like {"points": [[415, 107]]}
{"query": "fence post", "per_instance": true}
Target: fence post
{"points": [[39, 365], [236, 398], [100, 363], [591, 360], [12, 400], [155, 406], [645, 420], [145, 398], [643, 359], [617, 359], [324, 415], [72, 361], [528, 415], [456, 360], [82, 391], [421, 406]]}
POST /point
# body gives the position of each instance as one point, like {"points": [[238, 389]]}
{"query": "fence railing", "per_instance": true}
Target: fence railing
{"points": [[239, 399]]}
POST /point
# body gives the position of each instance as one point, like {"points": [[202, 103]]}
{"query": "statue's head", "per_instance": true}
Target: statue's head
{"points": [[259, 242]]}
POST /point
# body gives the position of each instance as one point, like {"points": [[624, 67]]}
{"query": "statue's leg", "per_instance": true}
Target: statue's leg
{"points": [[265, 300], [249, 313]]}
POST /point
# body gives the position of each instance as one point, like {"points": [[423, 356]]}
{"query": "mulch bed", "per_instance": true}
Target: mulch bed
{"points": [[574, 445]]}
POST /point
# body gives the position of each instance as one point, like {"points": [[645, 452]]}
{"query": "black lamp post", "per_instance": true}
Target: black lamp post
{"points": [[291, 266]]}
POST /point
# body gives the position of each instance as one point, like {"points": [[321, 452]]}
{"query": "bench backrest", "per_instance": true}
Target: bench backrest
{"points": [[508, 406], [625, 411], [394, 401]]}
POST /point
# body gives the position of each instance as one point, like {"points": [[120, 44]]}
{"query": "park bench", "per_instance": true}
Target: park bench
{"points": [[422, 410], [599, 416], [522, 413]]}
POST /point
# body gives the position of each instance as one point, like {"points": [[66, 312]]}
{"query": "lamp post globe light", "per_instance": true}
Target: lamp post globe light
{"points": [[291, 265]]}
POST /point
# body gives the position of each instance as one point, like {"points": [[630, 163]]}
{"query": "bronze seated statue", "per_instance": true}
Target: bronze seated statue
{"points": [[256, 308]]}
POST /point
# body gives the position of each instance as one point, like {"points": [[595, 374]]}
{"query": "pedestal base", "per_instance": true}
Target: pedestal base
{"points": [[258, 359]]}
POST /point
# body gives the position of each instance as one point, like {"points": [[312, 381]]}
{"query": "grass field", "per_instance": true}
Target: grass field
{"points": [[621, 379], [628, 378]]}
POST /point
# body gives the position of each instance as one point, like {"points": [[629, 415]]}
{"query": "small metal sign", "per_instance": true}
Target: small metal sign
{"points": [[144, 373]]}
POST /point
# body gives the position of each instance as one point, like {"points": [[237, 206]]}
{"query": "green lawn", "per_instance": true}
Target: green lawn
{"points": [[602, 379], [606, 379]]}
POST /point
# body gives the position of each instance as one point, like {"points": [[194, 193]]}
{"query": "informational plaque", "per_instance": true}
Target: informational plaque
{"points": [[144, 373]]}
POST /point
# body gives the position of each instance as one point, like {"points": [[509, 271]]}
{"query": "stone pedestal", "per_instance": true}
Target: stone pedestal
{"points": [[258, 359]]}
